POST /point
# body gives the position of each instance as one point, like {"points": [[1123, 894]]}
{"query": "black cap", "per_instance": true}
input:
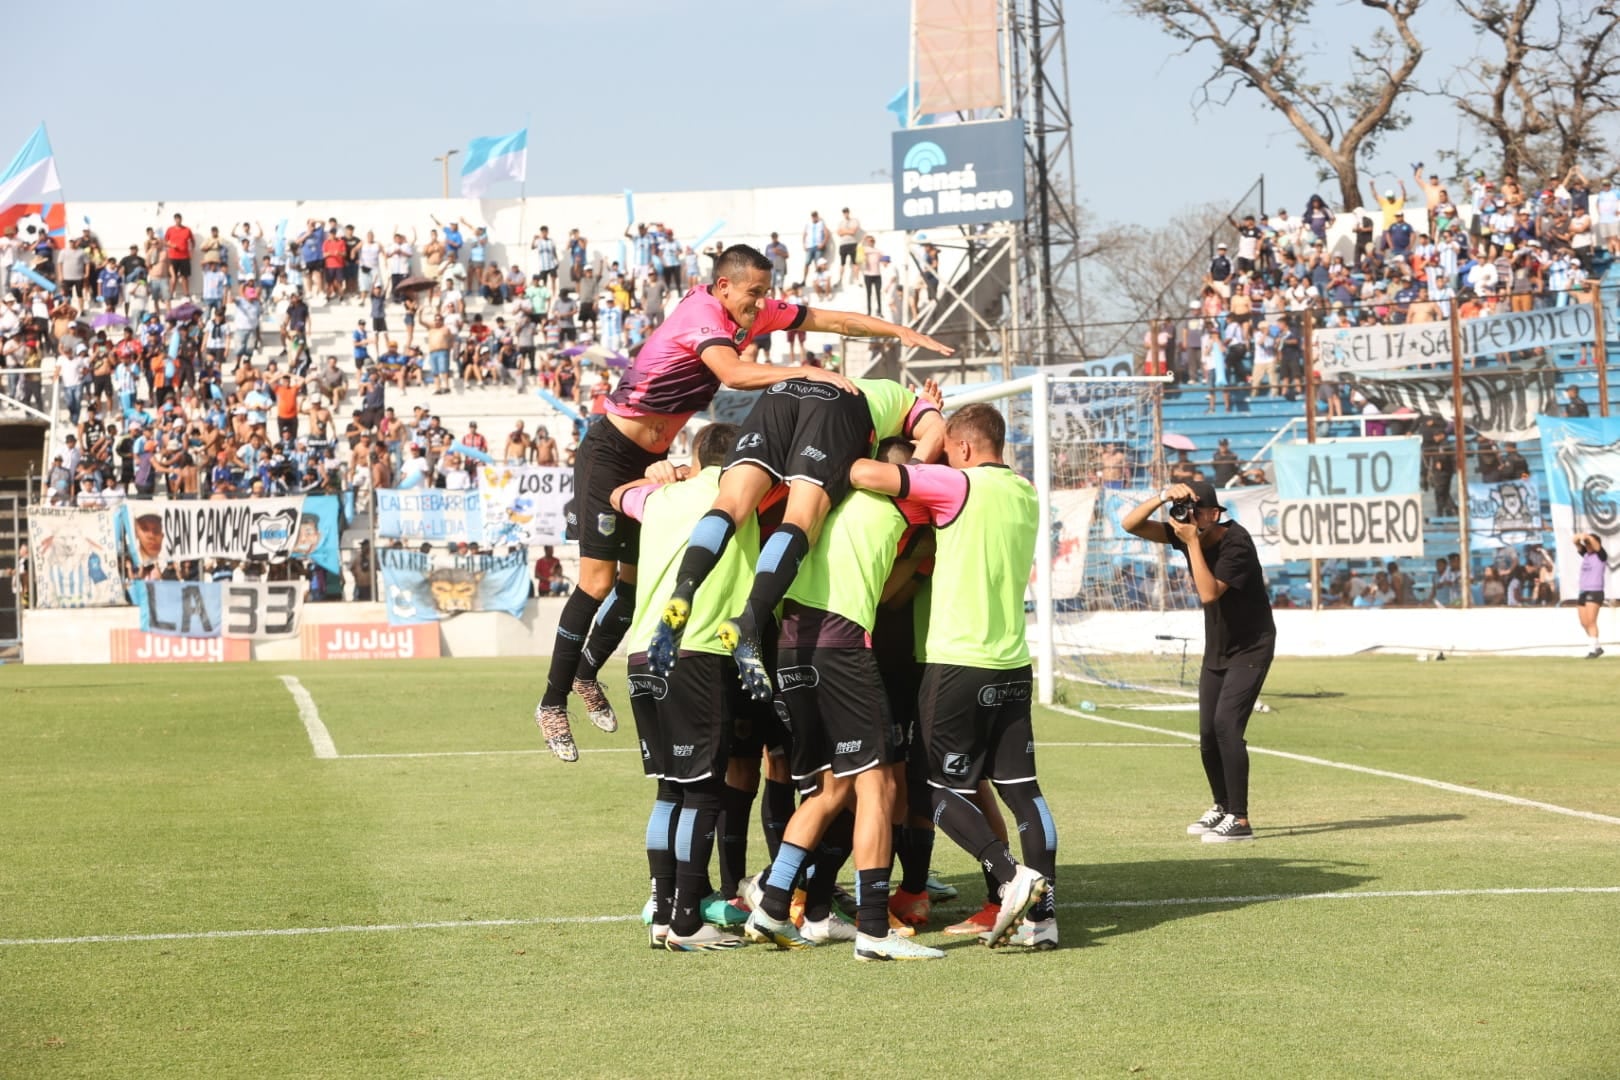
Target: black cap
{"points": [[1204, 495]]}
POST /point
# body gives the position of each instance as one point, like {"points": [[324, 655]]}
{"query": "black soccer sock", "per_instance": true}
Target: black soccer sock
{"points": [[872, 901], [779, 881], [774, 572], [965, 824], [661, 825], [708, 542], [736, 805], [694, 843], [572, 627], [829, 858], [611, 624], [916, 852], [774, 811], [1037, 837]]}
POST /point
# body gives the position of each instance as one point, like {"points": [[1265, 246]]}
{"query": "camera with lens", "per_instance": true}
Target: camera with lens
{"points": [[1182, 510]]}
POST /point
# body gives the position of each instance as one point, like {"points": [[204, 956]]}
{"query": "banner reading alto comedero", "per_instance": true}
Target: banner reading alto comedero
{"points": [[1343, 498]]}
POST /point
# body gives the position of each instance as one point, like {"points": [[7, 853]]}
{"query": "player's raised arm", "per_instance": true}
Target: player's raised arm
{"points": [[851, 324]]}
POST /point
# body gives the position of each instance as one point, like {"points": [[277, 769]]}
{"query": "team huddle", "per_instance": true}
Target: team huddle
{"points": [[830, 596]]}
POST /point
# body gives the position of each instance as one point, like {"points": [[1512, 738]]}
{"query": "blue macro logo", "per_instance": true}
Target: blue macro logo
{"points": [[924, 157]]}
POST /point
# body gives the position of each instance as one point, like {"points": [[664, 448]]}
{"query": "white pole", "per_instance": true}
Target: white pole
{"points": [[1040, 422]]}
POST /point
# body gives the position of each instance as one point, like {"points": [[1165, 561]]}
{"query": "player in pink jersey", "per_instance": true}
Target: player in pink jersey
{"points": [[677, 373]]}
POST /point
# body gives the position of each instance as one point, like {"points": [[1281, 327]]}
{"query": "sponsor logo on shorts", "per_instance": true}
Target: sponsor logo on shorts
{"points": [[1030, 749], [800, 389], [645, 753], [782, 712], [648, 686], [684, 749], [1000, 693], [848, 746], [750, 440], [956, 764], [571, 518], [607, 523], [812, 453], [792, 678]]}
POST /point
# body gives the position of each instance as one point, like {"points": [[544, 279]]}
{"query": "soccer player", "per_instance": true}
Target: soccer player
{"points": [[676, 374], [975, 693], [806, 435], [685, 723], [844, 739], [1239, 640]]}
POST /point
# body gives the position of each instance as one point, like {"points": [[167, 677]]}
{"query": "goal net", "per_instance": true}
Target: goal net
{"points": [[1114, 619]]}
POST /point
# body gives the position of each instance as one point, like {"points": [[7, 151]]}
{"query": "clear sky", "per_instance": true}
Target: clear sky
{"points": [[354, 98]]}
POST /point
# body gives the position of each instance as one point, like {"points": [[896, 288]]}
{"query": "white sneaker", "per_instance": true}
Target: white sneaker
{"points": [[1228, 831], [833, 928], [708, 938], [893, 947], [1040, 936], [1212, 817], [1020, 894]]}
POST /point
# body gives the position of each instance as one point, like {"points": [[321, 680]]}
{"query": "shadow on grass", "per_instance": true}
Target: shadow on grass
{"points": [[1388, 821], [1311, 695], [1104, 900]]}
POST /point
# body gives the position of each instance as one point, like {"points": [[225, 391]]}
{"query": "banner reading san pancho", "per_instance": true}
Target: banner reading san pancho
{"points": [[523, 504], [1342, 498], [295, 527]]}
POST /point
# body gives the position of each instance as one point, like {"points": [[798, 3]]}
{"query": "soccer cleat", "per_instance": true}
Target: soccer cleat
{"points": [[647, 912], [658, 933], [597, 706], [1597, 651], [844, 900], [833, 928], [666, 642], [899, 927], [719, 911], [1020, 894], [911, 909], [939, 890], [1041, 936], [553, 721], [976, 923], [796, 907], [893, 947], [752, 890], [1228, 830], [1212, 817], [782, 933], [706, 939], [743, 645]]}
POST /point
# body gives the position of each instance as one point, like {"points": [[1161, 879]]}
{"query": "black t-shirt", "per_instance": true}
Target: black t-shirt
{"points": [[1240, 620]]}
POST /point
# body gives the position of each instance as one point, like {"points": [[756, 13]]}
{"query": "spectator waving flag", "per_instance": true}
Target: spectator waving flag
{"points": [[494, 157], [31, 192]]}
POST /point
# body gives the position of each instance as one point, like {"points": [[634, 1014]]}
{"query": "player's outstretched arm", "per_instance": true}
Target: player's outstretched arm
{"points": [[850, 324], [737, 374], [878, 476]]}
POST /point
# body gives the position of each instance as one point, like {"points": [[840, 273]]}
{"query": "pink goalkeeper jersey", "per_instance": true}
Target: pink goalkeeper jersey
{"points": [[669, 377]]}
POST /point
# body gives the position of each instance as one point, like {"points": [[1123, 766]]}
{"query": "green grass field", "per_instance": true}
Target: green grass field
{"points": [[1358, 936]]}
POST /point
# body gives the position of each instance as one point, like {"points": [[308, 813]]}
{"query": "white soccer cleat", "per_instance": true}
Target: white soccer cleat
{"points": [[893, 947], [833, 928], [1020, 894]]}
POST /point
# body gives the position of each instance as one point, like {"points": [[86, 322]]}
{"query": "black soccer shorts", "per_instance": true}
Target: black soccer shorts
{"points": [[645, 691], [696, 710], [606, 459], [839, 722], [976, 721], [803, 430]]}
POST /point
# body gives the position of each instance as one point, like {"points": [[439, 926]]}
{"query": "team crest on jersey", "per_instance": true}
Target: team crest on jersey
{"points": [[750, 440], [607, 523], [739, 336]]}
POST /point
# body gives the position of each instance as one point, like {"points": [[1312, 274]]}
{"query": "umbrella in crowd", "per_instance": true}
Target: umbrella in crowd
{"points": [[1178, 442], [413, 283], [599, 355], [108, 318], [573, 350], [182, 312]]}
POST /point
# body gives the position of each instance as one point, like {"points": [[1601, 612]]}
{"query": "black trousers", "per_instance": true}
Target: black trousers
{"points": [[1226, 697]]}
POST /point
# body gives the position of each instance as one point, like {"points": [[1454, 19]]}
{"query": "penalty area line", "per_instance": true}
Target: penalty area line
{"points": [[588, 920], [319, 738], [1442, 785]]}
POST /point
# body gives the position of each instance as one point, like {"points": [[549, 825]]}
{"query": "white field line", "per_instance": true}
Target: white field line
{"points": [[319, 737], [635, 750], [1456, 789], [576, 920]]}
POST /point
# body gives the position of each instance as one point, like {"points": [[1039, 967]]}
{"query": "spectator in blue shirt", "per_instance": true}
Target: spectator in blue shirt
{"points": [[110, 285]]}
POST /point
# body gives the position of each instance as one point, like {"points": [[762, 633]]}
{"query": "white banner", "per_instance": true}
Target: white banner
{"points": [[1072, 512], [1384, 348], [75, 555], [1349, 498], [523, 504], [177, 531], [1256, 509], [1505, 514]]}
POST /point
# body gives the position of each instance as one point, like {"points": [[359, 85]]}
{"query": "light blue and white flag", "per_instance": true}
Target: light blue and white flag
{"points": [[432, 588], [1581, 456], [494, 157]]}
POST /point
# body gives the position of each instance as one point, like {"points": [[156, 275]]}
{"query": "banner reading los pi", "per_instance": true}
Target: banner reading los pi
{"points": [[1350, 497]]}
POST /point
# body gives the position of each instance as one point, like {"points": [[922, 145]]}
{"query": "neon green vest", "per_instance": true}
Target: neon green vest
{"points": [[889, 403], [666, 525], [845, 570], [980, 573]]}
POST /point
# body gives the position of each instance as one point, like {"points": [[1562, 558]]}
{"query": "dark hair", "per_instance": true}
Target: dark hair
{"points": [[737, 260], [980, 423], [712, 444], [896, 450]]}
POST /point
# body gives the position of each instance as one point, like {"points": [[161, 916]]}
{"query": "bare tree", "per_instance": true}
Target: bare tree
{"points": [[1256, 48], [1552, 77], [1135, 274]]}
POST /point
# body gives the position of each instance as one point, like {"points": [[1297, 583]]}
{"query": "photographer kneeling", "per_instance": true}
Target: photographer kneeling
{"points": [[1239, 639]]}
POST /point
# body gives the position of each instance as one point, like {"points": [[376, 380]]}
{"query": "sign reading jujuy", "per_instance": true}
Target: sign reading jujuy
{"points": [[1351, 497]]}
